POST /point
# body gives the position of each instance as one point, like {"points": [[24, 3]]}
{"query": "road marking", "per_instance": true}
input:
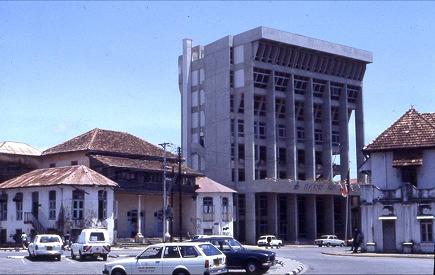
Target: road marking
{"points": [[71, 261], [15, 257]]}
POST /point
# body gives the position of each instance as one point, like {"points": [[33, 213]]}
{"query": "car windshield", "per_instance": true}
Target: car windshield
{"points": [[235, 244], [209, 250], [96, 237], [49, 239], [324, 236]]}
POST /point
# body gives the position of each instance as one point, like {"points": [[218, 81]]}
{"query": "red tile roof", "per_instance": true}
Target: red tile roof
{"points": [[140, 164], [207, 185], [78, 175], [412, 130], [99, 140]]}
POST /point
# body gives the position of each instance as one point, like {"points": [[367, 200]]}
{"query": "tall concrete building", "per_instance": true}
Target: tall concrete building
{"points": [[266, 112]]}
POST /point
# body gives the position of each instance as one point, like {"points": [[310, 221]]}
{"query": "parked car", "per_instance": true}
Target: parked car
{"points": [[91, 243], [172, 258], [328, 240], [46, 245], [269, 240], [254, 261]]}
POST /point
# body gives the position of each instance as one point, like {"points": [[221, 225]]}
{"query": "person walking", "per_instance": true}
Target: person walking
{"points": [[357, 240], [24, 240]]}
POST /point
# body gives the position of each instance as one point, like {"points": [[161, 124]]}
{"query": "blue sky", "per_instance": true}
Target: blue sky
{"points": [[67, 67]]}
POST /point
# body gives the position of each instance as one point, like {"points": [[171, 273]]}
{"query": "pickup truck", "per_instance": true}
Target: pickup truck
{"points": [[91, 243]]}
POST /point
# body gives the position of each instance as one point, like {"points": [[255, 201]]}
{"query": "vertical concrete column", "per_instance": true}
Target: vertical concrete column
{"points": [[186, 99], [271, 128], [329, 214], [250, 218], [359, 132], [310, 168], [344, 134], [311, 216], [139, 235], [327, 133], [292, 218], [291, 130], [249, 114], [237, 100], [272, 203]]}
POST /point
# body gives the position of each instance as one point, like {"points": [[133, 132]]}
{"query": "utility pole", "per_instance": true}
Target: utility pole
{"points": [[165, 204], [180, 201]]}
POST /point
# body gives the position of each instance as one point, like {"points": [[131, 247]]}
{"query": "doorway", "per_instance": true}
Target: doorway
{"points": [[132, 222], [35, 204], [389, 235]]}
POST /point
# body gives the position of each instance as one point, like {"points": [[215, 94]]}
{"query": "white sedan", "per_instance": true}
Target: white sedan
{"points": [[46, 245], [171, 258], [269, 240], [328, 240]]}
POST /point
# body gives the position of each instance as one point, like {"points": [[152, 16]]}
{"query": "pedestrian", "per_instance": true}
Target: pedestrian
{"points": [[17, 239], [24, 240], [357, 240], [269, 240]]}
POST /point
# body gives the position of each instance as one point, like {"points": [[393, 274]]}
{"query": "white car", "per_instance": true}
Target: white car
{"points": [[173, 259], [328, 240], [91, 242], [46, 245], [264, 241]]}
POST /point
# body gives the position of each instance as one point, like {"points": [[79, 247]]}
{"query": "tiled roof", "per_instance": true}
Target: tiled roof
{"points": [[78, 175], [99, 140], [412, 130], [18, 148], [140, 164], [207, 185]]}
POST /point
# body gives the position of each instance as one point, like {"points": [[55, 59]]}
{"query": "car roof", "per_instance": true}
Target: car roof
{"points": [[265, 236], [180, 244], [47, 235]]}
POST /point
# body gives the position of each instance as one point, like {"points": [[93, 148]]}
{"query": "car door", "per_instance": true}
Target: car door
{"points": [[149, 261], [171, 258], [234, 258], [192, 259]]}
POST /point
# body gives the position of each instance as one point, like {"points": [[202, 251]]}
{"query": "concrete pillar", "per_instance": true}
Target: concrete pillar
{"points": [[344, 134], [186, 120], [271, 129], [310, 217], [292, 218], [329, 214], [249, 115], [327, 133], [291, 130], [139, 236], [310, 168], [250, 218], [359, 132], [272, 203]]}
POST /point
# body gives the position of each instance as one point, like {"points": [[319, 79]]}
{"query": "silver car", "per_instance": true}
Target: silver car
{"points": [[328, 240], [46, 245]]}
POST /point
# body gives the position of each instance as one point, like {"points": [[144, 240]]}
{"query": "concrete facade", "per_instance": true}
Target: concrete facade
{"points": [[268, 109], [217, 219]]}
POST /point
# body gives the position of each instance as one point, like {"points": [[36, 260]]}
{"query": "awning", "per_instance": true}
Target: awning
{"points": [[18, 197], [427, 217], [383, 218]]}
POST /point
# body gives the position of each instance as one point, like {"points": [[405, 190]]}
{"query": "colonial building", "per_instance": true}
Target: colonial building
{"points": [[58, 200], [17, 158], [266, 112], [398, 207]]}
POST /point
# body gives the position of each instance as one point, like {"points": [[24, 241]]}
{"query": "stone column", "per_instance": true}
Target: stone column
{"points": [[272, 203], [329, 214], [139, 236], [310, 168], [327, 133], [291, 130], [250, 218], [311, 216], [271, 129], [344, 134], [249, 115], [292, 218], [359, 132]]}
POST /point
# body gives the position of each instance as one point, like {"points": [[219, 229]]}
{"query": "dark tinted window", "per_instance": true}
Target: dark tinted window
{"points": [[96, 237], [209, 250]]}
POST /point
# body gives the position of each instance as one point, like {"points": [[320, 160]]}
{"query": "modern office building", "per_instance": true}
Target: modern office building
{"points": [[267, 112]]}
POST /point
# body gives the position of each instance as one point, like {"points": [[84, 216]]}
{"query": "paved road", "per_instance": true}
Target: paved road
{"points": [[317, 263], [311, 257]]}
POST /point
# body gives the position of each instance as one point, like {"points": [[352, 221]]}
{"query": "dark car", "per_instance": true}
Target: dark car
{"points": [[254, 261]]}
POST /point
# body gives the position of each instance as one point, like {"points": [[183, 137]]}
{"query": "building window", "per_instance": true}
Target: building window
{"points": [[300, 85], [299, 110], [18, 199], [74, 162], [301, 157], [426, 231], [282, 156], [282, 174], [207, 204], [318, 89], [335, 116], [260, 105], [52, 205], [335, 91], [281, 81], [102, 205], [261, 77], [52, 165], [300, 133], [232, 126], [352, 93], [3, 207], [78, 204], [318, 113], [259, 130], [231, 103], [409, 174], [231, 55], [225, 209], [260, 154], [242, 104], [241, 127], [232, 151], [241, 174], [241, 151], [318, 136], [335, 138], [282, 133], [231, 79], [280, 107], [260, 174]]}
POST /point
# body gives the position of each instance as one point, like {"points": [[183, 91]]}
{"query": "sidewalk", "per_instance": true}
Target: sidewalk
{"points": [[396, 255]]}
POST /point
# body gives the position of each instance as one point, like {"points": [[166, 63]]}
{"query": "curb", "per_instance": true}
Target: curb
{"points": [[297, 270], [416, 256]]}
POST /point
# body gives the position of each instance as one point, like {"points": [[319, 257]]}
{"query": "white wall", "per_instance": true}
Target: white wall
{"points": [[65, 159], [218, 224]]}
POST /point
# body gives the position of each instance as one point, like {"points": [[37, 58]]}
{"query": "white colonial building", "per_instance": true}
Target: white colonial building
{"points": [[57, 200], [214, 208], [398, 207]]}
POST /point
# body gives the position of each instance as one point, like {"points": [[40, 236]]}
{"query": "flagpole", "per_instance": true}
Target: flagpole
{"points": [[347, 219]]}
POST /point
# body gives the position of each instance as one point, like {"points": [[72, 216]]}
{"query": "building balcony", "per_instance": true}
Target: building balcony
{"points": [[407, 193]]}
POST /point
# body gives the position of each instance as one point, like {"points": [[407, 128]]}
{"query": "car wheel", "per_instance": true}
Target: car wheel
{"points": [[342, 244], [59, 258], [118, 272], [104, 257], [81, 257], [180, 272], [328, 244], [251, 267]]}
